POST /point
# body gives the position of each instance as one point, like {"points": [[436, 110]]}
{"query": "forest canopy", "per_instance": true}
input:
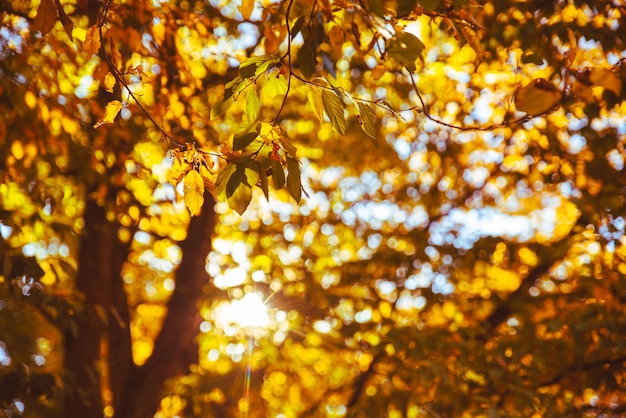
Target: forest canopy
{"points": [[302, 208]]}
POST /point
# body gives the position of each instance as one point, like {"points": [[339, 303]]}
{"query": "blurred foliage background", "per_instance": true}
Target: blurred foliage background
{"points": [[312, 208]]}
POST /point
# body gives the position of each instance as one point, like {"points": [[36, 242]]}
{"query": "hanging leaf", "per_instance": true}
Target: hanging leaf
{"points": [[307, 59], [405, 7], [67, 23], [253, 104], [92, 40], [275, 85], [46, 17], [240, 199], [607, 79], [242, 141], [278, 175], [294, 182], [315, 98], [376, 7], [246, 8], [334, 109], [116, 56], [405, 48], [235, 180], [109, 82], [222, 180], [537, 97], [193, 188], [220, 108], [367, 119], [110, 112], [532, 57]]}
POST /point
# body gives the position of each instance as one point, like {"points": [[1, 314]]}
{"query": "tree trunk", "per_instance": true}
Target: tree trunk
{"points": [[98, 349]]}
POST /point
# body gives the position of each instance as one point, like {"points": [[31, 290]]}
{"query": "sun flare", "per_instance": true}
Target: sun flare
{"points": [[248, 312]]}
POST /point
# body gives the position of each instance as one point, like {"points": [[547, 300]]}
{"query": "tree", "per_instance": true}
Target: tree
{"points": [[428, 196]]}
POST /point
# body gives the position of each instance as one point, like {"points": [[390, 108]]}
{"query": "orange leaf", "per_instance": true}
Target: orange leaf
{"points": [[47, 15], [109, 82], [92, 40], [116, 55], [246, 8]]}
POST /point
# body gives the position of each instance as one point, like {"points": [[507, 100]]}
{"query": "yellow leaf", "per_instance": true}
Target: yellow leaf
{"points": [[110, 112], [378, 72], [607, 79], [246, 8], [109, 82], [194, 192], [537, 97], [92, 40]]}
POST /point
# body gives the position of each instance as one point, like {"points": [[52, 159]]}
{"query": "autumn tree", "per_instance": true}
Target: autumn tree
{"points": [[312, 208]]}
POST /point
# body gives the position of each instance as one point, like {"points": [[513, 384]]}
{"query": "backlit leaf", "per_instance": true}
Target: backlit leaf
{"points": [[607, 79], [537, 97], [264, 165], [193, 188], [240, 199], [405, 48], [116, 55], [246, 8], [222, 180], [367, 119], [307, 60], [235, 180], [92, 40], [315, 98], [109, 82], [334, 109], [110, 112], [253, 104], [275, 84]]}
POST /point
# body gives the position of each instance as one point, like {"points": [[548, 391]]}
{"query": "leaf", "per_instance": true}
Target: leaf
{"points": [[46, 17], [297, 26], [116, 56], [240, 199], [607, 79], [376, 7], [242, 141], [193, 189], [246, 8], [334, 109], [315, 98], [537, 97], [275, 84], [367, 119], [220, 108], [307, 59], [405, 7], [109, 82], [532, 57], [235, 180], [92, 40], [253, 104], [294, 182], [67, 23], [278, 175], [222, 180], [378, 72], [405, 48], [110, 112]]}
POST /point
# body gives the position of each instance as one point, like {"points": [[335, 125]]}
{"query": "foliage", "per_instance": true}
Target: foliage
{"points": [[428, 196]]}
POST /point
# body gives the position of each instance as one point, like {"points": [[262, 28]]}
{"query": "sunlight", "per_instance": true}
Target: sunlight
{"points": [[248, 312]]}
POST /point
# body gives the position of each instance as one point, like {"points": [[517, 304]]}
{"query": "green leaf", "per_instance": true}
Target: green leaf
{"points": [[275, 84], [235, 180], [367, 119], [294, 182], [253, 104], [222, 179], [334, 109], [240, 199], [405, 48], [278, 175], [242, 141], [429, 4]]}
